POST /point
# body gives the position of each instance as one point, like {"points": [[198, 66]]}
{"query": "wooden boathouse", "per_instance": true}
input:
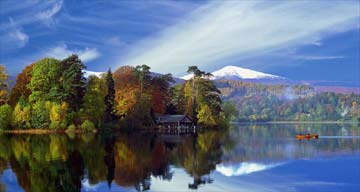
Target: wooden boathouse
{"points": [[175, 123]]}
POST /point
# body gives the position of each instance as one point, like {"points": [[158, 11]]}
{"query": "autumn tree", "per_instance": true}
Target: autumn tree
{"points": [[3, 85], [57, 115], [22, 114], [126, 89], [138, 93], [161, 93], [20, 88]]}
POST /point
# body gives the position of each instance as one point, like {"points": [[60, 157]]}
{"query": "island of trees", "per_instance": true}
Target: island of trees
{"points": [[53, 94]]}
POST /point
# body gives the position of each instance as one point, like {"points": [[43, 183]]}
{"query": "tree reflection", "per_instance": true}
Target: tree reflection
{"points": [[60, 163], [199, 156]]}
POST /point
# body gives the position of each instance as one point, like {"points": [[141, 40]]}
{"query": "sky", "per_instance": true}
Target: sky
{"points": [[299, 40]]}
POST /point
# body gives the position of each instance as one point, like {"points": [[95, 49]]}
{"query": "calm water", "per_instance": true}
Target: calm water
{"points": [[248, 158]]}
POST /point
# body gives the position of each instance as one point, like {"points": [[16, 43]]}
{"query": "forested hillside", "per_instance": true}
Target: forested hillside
{"points": [[258, 102]]}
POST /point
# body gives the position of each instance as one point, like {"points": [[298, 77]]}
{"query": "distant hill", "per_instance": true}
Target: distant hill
{"points": [[260, 102], [240, 74]]}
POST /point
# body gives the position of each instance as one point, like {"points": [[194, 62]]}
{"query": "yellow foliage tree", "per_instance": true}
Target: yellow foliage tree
{"points": [[205, 116], [58, 113], [3, 85], [21, 116]]}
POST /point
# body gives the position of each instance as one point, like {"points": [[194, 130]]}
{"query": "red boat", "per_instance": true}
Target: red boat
{"points": [[307, 136]]}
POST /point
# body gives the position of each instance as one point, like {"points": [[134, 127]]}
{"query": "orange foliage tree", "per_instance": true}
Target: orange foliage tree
{"points": [[20, 89], [126, 89]]}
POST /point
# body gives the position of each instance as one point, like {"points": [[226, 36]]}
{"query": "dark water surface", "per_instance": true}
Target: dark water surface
{"points": [[247, 158]]}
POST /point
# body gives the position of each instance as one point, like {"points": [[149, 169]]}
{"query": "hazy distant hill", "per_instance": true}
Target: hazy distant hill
{"points": [[260, 102]]}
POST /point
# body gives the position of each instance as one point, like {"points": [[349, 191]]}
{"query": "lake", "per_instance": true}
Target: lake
{"points": [[262, 157]]}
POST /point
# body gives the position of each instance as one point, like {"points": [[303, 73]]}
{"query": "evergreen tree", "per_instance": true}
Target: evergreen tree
{"points": [[73, 82], [110, 97], [143, 74]]}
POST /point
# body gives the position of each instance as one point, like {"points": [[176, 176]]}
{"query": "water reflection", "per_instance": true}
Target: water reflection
{"points": [[60, 163], [72, 163]]}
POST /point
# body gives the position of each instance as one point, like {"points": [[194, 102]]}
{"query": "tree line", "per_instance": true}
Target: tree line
{"points": [[54, 94]]}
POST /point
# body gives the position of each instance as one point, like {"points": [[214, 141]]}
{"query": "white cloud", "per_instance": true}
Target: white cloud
{"points": [[223, 31], [244, 168], [316, 57], [49, 13], [15, 37], [61, 52], [19, 36]]}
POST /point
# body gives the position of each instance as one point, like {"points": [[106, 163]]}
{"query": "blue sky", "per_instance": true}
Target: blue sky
{"points": [[300, 40]]}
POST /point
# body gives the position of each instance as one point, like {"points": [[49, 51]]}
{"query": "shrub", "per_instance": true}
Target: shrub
{"points": [[54, 125], [71, 128], [87, 126], [5, 116]]}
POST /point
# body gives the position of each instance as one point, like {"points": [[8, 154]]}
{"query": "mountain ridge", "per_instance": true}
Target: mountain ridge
{"points": [[237, 73]]}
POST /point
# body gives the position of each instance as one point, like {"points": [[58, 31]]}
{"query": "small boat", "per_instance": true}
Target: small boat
{"points": [[307, 136]]}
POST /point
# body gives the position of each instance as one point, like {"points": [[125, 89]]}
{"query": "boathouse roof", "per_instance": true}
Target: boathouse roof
{"points": [[172, 118]]}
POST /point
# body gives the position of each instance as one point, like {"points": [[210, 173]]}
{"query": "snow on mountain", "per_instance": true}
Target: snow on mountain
{"points": [[89, 73], [233, 72]]}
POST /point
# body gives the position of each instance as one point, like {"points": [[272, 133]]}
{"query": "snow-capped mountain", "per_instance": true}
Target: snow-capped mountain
{"points": [[89, 73], [234, 72]]}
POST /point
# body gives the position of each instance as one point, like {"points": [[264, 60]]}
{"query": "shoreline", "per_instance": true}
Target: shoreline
{"points": [[299, 122], [41, 131], [49, 131]]}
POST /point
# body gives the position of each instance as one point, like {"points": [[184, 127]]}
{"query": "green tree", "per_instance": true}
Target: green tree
{"points": [[202, 95], [73, 82], [5, 116], [87, 126], [230, 110], [94, 107], [110, 98], [143, 75], [44, 81], [40, 114]]}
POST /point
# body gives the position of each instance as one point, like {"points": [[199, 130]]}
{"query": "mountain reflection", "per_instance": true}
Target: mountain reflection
{"points": [[70, 163]]}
